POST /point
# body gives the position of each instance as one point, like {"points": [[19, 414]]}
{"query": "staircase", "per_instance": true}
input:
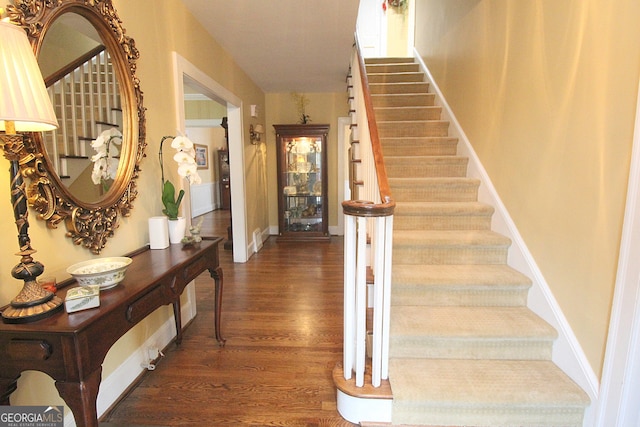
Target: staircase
{"points": [[464, 347], [86, 98]]}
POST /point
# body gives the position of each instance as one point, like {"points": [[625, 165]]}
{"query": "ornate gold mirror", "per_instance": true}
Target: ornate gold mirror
{"points": [[85, 172]]}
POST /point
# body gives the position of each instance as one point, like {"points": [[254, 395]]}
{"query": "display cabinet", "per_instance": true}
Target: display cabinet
{"points": [[302, 182]]}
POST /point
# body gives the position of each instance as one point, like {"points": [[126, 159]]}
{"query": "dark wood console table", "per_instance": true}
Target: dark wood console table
{"points": [[71, 347]]}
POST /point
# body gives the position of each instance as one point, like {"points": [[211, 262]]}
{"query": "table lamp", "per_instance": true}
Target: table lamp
{"points": [[24, 107]]}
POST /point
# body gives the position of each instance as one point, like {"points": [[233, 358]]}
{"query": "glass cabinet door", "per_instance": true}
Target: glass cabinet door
{"points": [[301, 178]]}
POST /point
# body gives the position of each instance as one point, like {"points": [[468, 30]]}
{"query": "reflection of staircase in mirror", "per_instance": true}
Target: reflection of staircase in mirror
{"points": [[86, 98]]}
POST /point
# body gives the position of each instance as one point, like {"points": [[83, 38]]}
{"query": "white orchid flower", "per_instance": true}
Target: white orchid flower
{"points": [[181, 143], [190, 171], [99, 167], [183, 157], [98, 143], [98, 156], [187, 170], [105, 166], [112, 170]]}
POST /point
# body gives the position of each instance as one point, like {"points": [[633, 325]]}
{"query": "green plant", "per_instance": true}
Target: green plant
{"points": [[187, 168], [171, 204]]}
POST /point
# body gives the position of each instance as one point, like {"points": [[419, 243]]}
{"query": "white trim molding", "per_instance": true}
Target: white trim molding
{"points": [[620, 392]]}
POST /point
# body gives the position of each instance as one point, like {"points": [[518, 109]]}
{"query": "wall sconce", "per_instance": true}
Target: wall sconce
{"points": [[24, 107], [254, 133]]}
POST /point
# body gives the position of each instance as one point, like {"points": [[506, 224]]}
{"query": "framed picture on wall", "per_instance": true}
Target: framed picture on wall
{"points": [[202, 156]]}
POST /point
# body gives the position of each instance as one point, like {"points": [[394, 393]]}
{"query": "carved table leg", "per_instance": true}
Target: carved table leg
{"points": [[177, 316], [81, 398], [217, 277], [7, 386]]}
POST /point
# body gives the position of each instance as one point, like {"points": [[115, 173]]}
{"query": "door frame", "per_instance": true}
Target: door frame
{"points": [[183, 69]]}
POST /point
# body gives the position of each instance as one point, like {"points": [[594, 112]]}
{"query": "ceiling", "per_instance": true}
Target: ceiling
{"points": [[284, 45]]}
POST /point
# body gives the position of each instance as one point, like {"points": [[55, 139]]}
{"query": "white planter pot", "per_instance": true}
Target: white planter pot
{"points": [[177, 228]]}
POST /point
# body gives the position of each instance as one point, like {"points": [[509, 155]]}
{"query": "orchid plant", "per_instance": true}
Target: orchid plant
{"points": [[187, 168], [105, 161]]}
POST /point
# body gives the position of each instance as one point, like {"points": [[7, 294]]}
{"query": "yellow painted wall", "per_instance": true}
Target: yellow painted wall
{"points": [[322, 108], [546, 92], [158, 27], [397, 27]]}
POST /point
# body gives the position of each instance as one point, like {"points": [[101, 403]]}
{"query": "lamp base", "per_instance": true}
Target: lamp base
{"points": [[31, 304]]}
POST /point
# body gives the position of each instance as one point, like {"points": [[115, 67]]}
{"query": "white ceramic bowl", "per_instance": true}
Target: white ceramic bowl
{"points": [[105, 272]]}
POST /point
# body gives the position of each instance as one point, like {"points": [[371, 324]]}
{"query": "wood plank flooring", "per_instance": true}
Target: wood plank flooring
{"points": [[282, 319]]}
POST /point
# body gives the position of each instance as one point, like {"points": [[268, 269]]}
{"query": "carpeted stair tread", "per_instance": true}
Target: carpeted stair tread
{"points": [[484, 393], [410, 76], [398, 87], [408, 113], [450, 189], [471, 276], [392, 68], [413, 128], [419, 146], [403, 100], [480, 322], [443, 208], [426, 166], [462, 285], [449, 247], [390, 60], [418, 238], [442, 215]]}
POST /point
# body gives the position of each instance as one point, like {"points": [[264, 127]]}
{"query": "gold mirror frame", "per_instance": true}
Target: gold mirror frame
{"points": [[88, 224]]}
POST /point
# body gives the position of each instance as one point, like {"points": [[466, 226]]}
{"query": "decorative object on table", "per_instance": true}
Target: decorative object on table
{"points": [[187, 168], [158, 232], [48, 283], [24, 107], [105, 161], [301, 102], [104, 272], [194, 237], [82, 298]]}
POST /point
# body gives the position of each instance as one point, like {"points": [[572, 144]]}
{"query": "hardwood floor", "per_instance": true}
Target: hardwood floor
{"points": [[282, 319]]}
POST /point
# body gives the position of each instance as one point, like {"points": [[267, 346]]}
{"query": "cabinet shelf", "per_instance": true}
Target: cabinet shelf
{"points": [[302, 177]]}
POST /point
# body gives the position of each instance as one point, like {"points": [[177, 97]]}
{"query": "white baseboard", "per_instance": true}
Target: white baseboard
{"points": [[256, 241], [567, 352]]}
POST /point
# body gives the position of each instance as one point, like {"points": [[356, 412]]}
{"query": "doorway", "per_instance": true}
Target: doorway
{"points": [[184, 71], [206, 124]]}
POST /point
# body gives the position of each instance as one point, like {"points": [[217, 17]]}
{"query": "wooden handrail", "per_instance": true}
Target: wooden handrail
{"points": [[361, 207], [58, 75]]}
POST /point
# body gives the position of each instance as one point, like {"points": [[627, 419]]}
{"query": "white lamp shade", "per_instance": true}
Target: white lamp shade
{"points": [[23, 96], [258, 128]]}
